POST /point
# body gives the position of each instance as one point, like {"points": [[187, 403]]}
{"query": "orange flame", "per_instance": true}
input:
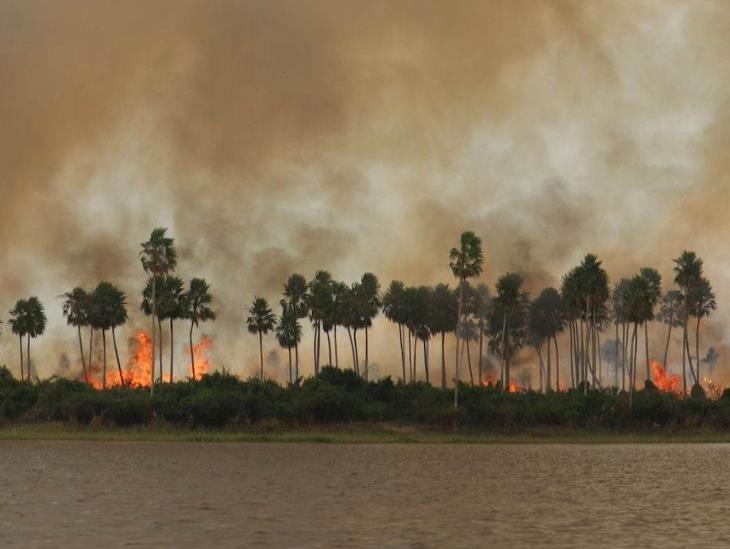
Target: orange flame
{"points": [[138, 372], [491, 379], [200, 354], [664, 381]]}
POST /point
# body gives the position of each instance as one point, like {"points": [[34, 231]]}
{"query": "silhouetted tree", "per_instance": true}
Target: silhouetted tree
{"points": [[443, 312], [670, 314], [687, 275], [75, 307], [19, 324], [296, 297], [394, 310], [196, 307], [465, 262], [703, 304], [109, 311], [288, 333], [158, 257], [260, 321], [546, 322]]}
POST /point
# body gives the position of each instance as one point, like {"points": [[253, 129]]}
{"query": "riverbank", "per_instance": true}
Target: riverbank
{"points": [[355, 434]]}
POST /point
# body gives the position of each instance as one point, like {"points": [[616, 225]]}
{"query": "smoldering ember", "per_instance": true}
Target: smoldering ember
{"points": [[410, 273]]}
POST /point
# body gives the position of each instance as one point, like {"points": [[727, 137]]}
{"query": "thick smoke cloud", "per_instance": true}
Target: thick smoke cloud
{"points": [[274, 137]]}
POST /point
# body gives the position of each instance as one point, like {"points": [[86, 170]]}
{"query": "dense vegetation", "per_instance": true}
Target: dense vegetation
{"points": [[337, 396]]}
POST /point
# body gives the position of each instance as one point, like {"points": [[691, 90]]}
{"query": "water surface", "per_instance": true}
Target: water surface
{"points": [[417, 495]]}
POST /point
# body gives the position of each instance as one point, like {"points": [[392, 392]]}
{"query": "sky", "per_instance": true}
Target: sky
{"points": [[292, 136]]}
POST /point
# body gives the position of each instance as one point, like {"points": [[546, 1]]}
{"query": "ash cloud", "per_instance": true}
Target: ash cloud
{"points": [[290, 136]]}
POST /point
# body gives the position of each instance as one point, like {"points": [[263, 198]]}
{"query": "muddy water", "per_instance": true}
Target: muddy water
{"points": [[193, 495]]}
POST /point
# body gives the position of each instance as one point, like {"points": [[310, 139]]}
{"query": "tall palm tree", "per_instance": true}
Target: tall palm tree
{"points": [[19, 326], [196, 307], [653, 296], [296, 297], [670, 313], [703, 304], [394, 310], [75, 309], [572, 314], [370, 289], [289, 334], [687, 274], [260, 321], [465, 263], [109, 312], [481, 307], [170, 307], [320, 299], [546, 322], [443, 313], [619, 306], [158, 257], [36, 324], [592, 282], [508, 326]]}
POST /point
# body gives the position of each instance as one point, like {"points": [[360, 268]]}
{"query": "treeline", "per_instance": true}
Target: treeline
{"points": [[342, 396], [502, 323]]}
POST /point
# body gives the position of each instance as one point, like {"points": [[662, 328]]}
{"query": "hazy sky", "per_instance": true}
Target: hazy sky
{"points": [[281, 136]]}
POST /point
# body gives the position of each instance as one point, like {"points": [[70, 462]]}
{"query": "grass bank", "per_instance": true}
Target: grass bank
{"points": [[353, 434]]}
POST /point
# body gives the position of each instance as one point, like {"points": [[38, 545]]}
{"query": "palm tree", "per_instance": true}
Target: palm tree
{"points": [[75, 309], [443, 312], [296, 297], [638, 310], [546, 322], [619, 306], [36, 324], [703, 304], [688, 272], [394, 310], [592, 285], [260, 321], [653, 296], [19, 325], [158, 257], [288, 334], [320, 299], [370, 300], [481, 307], [572, 311], [337, 314], [108, 306], [670, 314], [170, 307], [196, 307], [465, 262], [508, 324]]}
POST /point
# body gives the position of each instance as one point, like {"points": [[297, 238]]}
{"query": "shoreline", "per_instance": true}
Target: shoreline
{"points": [[353, 434]]}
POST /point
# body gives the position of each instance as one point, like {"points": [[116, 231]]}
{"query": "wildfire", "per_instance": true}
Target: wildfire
{"points": [[664, 381], [714, 390], [491, 380], [200, 356], [139, 366]]}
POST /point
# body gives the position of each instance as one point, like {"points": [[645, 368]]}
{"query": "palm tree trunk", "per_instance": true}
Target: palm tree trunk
{"points": [[632, 367], [615, 358], [425, 361], [414, 342], [583, 372], [154, 315], [570, 351], [103, 367], [624, 342], [290, 370], [192, 350], [666, 346], [352, 348], [261, 353], [27, 358], [329, 348], [549, 368], [600, 359], [159, 326], [684, 357], [646, 348], [402, 352], [83, 358], [443, 360], [116, 353], [410, 357], [697, 349], [366, 353], [689, 360], [91, 349], [557, 363], [337, 358], [481, 349], [468, 356], [458, 321], [296, 360], [505, 373], [22, 373], [357, 352], [172, 348], [540, 367]]}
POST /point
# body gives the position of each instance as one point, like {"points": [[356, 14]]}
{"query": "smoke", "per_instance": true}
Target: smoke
{"points": [[274, 137]]}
